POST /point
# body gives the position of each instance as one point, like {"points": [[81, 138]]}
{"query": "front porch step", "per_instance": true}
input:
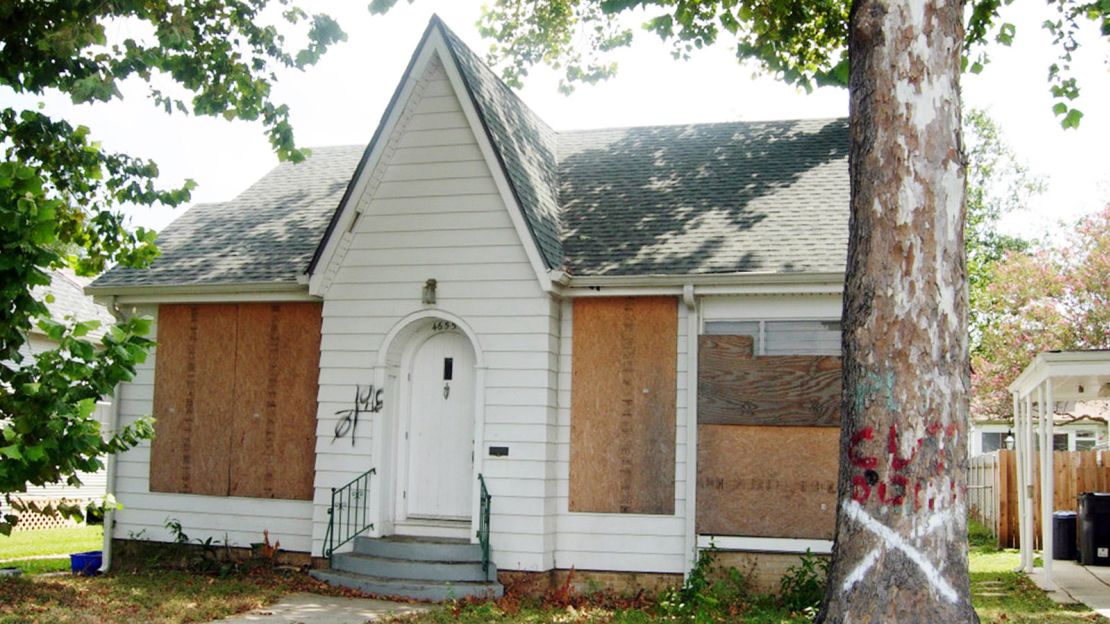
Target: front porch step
{"points": [[416, 567], [420, 590], [419, 548], [422, 570]]}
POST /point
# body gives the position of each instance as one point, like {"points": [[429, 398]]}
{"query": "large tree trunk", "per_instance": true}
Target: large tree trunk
{"points": [[901, 531]]}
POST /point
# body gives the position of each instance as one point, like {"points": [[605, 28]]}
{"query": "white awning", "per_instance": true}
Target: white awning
{"points": [[1051, 376]]}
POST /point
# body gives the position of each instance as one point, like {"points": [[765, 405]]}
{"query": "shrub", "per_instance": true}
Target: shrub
{"points": [[710, 593], [803, 585]]}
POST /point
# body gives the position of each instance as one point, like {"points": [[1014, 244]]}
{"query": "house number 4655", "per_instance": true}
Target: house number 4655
{"points": [[442, 326]]}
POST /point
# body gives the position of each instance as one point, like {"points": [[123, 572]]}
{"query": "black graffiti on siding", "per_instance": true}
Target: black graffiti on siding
{"points": [[368, 402]]}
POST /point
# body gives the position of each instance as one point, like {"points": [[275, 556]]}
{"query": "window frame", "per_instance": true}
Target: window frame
{"points": [[759, 347]]}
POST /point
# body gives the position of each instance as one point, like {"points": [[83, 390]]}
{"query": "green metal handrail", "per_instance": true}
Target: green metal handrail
{"points": [[483, 522], [349, 513]]}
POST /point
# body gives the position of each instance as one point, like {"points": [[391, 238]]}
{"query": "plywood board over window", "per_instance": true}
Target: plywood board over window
{"points": [[277, 370], [193, 399], [768, 441], [767, 481], [735, 388], [623, 401], [235, 400]]}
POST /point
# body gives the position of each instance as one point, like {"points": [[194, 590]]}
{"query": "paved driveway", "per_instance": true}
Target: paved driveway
{"points": [[1075, 583]]}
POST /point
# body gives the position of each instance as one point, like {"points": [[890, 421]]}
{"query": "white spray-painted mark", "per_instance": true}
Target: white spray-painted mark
{"points": [[854, 511], [857, 575]]}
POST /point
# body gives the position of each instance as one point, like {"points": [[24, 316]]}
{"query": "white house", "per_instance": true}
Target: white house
{"points": [[629, 337], [1078, 426]]}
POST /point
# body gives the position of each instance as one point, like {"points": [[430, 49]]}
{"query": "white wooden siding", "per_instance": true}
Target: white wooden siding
{"points": [[767, 307], [610, 541], [239, 521], [435, 213]]}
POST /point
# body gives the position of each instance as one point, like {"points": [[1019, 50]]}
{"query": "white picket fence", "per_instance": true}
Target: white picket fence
{"points": [[982, 482]]}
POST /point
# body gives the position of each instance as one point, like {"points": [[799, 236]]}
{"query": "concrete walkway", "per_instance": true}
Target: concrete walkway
{"points": [[1073, 583], [304, 608]]}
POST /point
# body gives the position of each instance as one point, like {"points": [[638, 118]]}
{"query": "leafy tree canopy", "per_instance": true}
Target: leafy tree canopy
{"points": [[1052, 297], [61, 192], [802, 42], [997, 183]]}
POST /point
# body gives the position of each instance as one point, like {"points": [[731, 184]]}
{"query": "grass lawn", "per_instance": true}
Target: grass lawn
{"points": [[60, 542], [164, 596], [1002, 595], [156, 596]]}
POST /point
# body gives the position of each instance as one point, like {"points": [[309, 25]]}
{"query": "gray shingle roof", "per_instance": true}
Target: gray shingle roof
{"points": [[266, 235], [524, 143], [706, 198], [67, 289], [678, 200]]}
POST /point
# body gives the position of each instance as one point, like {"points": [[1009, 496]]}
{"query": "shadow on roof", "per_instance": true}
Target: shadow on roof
{"points": [[266, 234], [712, 198]]}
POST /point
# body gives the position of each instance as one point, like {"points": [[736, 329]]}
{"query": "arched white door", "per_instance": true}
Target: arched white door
{"points": [[440, 434]]}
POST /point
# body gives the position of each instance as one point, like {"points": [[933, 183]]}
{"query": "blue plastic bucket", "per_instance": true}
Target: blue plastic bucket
{"points": [[86, 563]]}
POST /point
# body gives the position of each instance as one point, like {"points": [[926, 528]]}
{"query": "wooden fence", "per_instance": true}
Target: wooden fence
{"points": [[992, 488]]}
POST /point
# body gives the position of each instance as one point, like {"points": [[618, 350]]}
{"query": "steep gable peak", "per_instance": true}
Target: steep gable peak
{"points": [[519, 146]]}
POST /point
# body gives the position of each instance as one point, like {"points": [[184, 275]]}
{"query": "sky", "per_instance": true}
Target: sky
{"points": [[340, 101]]}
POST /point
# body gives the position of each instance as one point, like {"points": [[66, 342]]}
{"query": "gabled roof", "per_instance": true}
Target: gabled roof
{"points": [[525, 146], [265, 236], [67, 290], [707, 198], [724, 198]]}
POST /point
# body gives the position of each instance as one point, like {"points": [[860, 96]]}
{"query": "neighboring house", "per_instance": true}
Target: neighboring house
{"points": [[630, 337], [1080, 426], [69, 302]]}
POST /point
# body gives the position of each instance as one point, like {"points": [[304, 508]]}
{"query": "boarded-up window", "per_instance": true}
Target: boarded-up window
{"points": [[735, 388], [235, 400], [623, 400], [767, 435], [767, 481]]}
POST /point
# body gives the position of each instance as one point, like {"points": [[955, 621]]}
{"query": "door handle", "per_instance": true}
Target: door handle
{"points": [[446, 390]]}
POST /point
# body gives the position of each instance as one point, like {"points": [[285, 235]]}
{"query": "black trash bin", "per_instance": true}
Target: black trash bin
{"points": [[1063, 536], [1094, 528]]}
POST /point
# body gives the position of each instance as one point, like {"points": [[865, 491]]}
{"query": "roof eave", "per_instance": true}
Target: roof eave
{"points": [[1044, 364], [225, 288], [707, 279]]}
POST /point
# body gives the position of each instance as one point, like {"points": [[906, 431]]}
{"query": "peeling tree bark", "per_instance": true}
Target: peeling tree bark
{"points": [[901, 535]]}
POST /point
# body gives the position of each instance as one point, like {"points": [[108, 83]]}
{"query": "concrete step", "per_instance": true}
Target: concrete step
{"points": [[419, 548], [420, 590], [405, 568]]}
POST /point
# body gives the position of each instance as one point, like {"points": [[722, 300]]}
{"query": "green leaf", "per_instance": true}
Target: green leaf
{"points": [[140, 325], [1006, 34], [12, 452], [34, 453], [84, 327], [1071, 120], [53, 329], [85, 407]]}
